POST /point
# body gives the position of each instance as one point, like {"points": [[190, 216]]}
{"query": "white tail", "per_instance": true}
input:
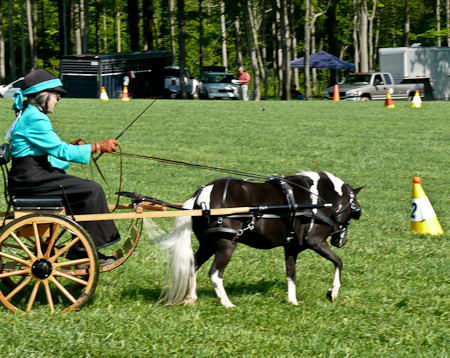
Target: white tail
{"points": [[180, 272]]}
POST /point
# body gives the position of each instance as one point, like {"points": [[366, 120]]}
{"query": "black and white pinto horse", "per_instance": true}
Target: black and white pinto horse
{"points": [[295, 230]]}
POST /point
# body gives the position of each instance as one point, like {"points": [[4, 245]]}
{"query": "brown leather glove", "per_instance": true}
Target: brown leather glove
{"points": [[105, 146], [78, 141]]}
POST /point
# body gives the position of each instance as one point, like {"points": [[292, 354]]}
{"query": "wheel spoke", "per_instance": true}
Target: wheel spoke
{"points": [[18, 288], [22, 245], [15, 273], [52, 240], [64, 249], [48, 293], [70, 277], [38, 240], [33, 295], [14, 258], [70, 263], [62, 289]]}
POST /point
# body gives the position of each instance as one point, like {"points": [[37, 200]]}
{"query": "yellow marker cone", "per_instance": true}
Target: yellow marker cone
{"points": [[389, 102], [125, 96], [104, 95], [417, 101], [423, 217]]}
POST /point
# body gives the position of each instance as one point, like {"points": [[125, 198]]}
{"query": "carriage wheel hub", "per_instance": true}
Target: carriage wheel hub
{"points": [[42, 268]]}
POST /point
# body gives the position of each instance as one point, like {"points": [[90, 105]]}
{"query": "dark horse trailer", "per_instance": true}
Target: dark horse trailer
{"points": [[142, 72]]}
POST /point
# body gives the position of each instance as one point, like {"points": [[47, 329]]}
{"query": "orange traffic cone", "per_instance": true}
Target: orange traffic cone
{"points": [[417, 101], [423, 217], [389, 102], [125, 96], [336, 97], [104, 95]]}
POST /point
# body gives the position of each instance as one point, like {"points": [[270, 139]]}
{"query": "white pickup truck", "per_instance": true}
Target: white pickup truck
{"points": [[373, 86], [172, 83]]}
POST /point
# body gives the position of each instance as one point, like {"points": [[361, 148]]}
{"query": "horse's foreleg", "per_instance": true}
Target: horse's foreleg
{"points": [[290, 277], [225, 249], [324, 250]]}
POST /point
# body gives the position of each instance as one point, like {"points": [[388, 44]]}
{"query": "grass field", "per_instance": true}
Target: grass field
{"points": [[395, 294]]}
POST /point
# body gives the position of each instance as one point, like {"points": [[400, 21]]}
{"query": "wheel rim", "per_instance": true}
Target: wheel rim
{"points": [[36, 268]]}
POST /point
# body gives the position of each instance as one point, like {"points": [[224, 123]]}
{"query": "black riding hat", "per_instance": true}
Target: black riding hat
{"points": [[38, 76]]}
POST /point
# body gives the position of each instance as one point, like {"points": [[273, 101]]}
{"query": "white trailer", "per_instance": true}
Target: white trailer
{"points": [[428, 65]]}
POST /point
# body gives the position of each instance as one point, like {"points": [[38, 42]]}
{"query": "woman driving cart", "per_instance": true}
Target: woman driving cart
{"points": [[39, 159]]}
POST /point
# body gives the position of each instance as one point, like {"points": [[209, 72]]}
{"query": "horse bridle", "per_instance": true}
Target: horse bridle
{"points": [[355, 213]]}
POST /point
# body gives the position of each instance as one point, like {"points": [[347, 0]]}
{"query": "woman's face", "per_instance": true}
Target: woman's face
{"points": [[52, 102]]}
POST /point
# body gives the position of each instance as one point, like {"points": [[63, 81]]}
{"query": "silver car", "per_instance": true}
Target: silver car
{"points": [[218, 85], [7, 91]]}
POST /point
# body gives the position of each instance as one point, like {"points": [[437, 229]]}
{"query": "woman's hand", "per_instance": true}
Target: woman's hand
{"points": [[78, 141], [105, 146]]}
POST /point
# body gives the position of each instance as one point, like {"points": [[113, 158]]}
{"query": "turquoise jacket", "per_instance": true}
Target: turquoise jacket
{"points": [[33, 135]]}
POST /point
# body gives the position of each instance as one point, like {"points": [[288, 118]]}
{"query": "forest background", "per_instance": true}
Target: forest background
{"points": [[262, 35]]}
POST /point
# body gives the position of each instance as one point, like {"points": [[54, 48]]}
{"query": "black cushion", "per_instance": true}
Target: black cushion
{"points": [[38, 203]]}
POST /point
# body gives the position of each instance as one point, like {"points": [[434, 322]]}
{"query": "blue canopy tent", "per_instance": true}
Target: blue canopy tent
{"points": [[323, 59]]}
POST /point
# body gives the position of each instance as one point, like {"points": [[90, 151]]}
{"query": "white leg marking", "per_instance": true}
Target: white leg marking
{"points": [[220, 291], [291, 291], [192, 295], [336, 285]]}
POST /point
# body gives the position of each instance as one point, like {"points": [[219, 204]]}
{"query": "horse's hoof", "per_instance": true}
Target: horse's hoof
{"points": [[189, 301], [295, 303], [331, 295]]}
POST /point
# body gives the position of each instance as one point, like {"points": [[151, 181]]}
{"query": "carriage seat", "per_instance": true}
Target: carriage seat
{"points": [[27, 204]]}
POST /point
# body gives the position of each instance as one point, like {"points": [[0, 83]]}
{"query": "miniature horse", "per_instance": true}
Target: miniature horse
{"points": [[295, 231]]}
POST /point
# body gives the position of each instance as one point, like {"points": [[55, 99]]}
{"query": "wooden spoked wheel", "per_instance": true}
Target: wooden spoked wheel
{"points": [[38, 265]]}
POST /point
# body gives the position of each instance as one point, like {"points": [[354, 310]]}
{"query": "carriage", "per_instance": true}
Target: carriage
{"points": [[36, 235]]}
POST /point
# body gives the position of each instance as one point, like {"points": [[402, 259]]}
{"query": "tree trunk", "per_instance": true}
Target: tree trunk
{"points": [[2, 50], [31, 38], [306, 45], [182, 47], [294, 42], [238, 43], [223, 28], [105, 38], [255, 41], [333, 40], [77, 28], [264, 51], [447, 17], [12, 56], [133, 25], [22, 33], [85, 27], [286, 47], [98, 38], [279, 54], [313, 50], [148, 14], [363, 38], [118, 29], [438, 22], [370, 25], [254, 62], [172, 29], [407, 24], [200, 34], [355, 33]]}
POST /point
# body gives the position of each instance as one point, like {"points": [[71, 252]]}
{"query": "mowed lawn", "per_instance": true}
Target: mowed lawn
{"points": [[395, 294]]}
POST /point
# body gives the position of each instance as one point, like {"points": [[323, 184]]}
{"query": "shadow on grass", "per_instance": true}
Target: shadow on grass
{"points": [[233, 289]]}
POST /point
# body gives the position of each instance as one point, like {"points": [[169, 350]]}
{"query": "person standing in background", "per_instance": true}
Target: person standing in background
{"points": [[244, 80]]}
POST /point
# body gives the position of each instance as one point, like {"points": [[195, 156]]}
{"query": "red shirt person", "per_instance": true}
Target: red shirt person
{"points": [[244, 80]]}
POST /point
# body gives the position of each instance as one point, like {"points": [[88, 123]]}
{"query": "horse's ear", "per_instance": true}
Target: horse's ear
{"points": [[357, 190]]}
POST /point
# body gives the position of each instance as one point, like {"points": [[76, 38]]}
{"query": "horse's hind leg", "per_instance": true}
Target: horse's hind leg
{"points": [[204, 252], [224, 251], [324, 250]]}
